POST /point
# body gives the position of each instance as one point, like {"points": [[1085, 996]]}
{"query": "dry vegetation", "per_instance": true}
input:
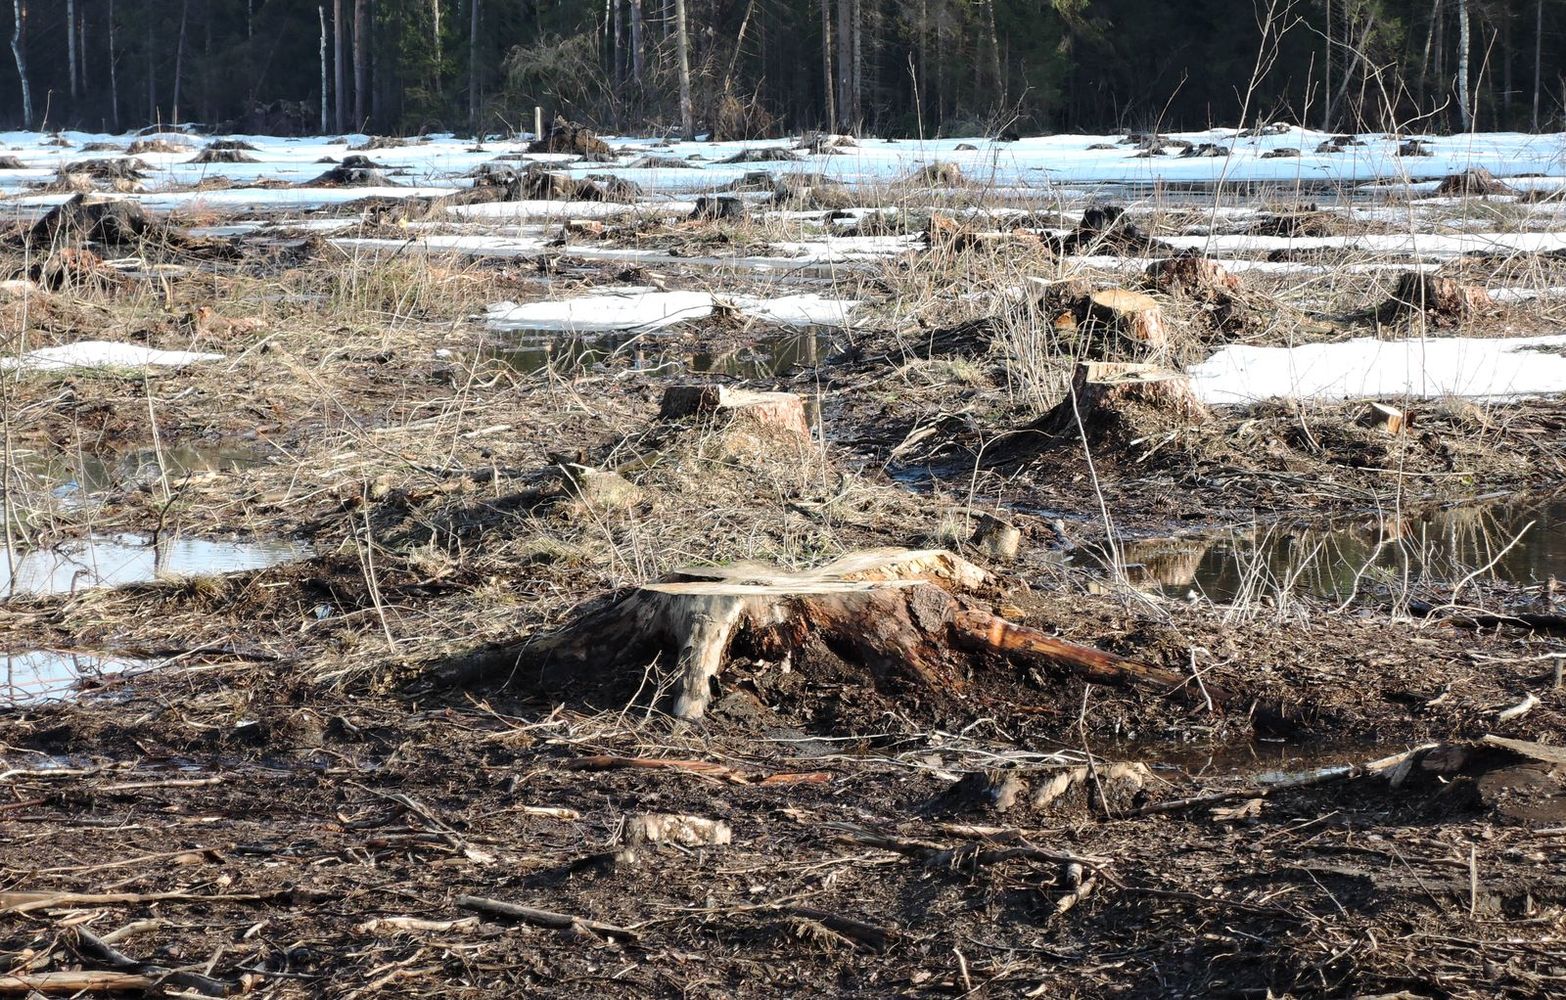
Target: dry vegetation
{"points": [[295, 800]]}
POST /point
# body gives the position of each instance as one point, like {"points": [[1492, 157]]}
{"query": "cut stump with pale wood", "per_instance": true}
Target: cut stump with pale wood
{"points": [[780, 411], [1134, 316], [909, 619]]}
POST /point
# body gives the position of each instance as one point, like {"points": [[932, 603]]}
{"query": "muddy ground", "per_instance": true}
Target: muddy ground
{"points": [[285, 799]]}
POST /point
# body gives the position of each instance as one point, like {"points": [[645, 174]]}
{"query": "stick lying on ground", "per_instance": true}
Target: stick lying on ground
{"points": [[543, 918]]}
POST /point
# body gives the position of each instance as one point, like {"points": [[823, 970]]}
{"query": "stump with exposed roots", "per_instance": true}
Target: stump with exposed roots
{"points": [[909, 620], [1438, 299], [1110, 405], [1473, 181]]}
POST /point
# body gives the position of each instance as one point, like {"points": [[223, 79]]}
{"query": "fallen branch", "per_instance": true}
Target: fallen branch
{"points": [[26, 902], [868, 936], [543, 918], [987, 631], [89, 943], [74, 982], [609, 762], [1305, 779]]}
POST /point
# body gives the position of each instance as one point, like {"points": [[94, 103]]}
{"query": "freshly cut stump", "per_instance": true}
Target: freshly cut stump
{"points": [[1133, 315], [1436, 298], [783, 411], [903, 616]]}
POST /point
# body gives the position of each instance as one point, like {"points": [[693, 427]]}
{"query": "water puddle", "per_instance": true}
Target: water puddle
{"points": [[41, 675], [768, 358], [118, 560], [1518, 544], [75, 474]]}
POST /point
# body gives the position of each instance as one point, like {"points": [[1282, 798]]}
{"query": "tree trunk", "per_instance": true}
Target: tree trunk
{"points": [[682, 43], [638, 53], [1326, 87], [114, 73], [997, 75], [1464, 96], [19, 52], [858, 65], [826, 65], [339, 67], [845, 64], [70, 46], [179, 57], [361, 61], [321, 12], [1538, 58], [475, 16]]}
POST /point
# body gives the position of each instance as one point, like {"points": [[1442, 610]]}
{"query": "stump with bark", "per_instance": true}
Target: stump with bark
{"points": [[1107, 230], [1110, 405], [1473, 181], [565, 136], [1130, 318], [908, 620], [91, 218], [1438, 299], [783, 412]]}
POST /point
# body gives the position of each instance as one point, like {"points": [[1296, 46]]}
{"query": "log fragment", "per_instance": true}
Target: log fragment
{"points": [[782, 411]]}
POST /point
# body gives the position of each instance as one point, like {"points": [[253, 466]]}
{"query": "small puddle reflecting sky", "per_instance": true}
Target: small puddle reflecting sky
{"points": [[54, 675], [1441, 547], [116, 560]]}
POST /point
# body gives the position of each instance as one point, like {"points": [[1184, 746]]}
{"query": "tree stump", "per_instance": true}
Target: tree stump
{"points": [[91, 218], [1110, 404], [903, 616], [1135, 316], [1436, 298], [1194, 277], [780, 411], [1473, 181]]}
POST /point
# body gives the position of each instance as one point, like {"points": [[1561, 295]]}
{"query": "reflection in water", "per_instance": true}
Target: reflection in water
{"points": [[69, 477], [565, 354], [53, 675], [117, 560], [1521, 544]]}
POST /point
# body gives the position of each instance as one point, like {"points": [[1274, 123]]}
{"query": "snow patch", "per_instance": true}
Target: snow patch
{"points": [[102, 354], [639, 308], [1367, 368]]}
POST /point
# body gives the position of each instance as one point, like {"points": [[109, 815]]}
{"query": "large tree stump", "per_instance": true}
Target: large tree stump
{"points": [[1135, 316], [906, 617], [1440, 299]]}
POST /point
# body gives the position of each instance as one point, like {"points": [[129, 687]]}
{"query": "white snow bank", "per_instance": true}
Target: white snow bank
{"points": [[639, 308], [102, 354], [1367, 368], [524, 211]]}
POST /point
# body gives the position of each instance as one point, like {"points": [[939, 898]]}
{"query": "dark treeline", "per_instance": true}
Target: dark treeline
{"points": [[743, 68]]}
